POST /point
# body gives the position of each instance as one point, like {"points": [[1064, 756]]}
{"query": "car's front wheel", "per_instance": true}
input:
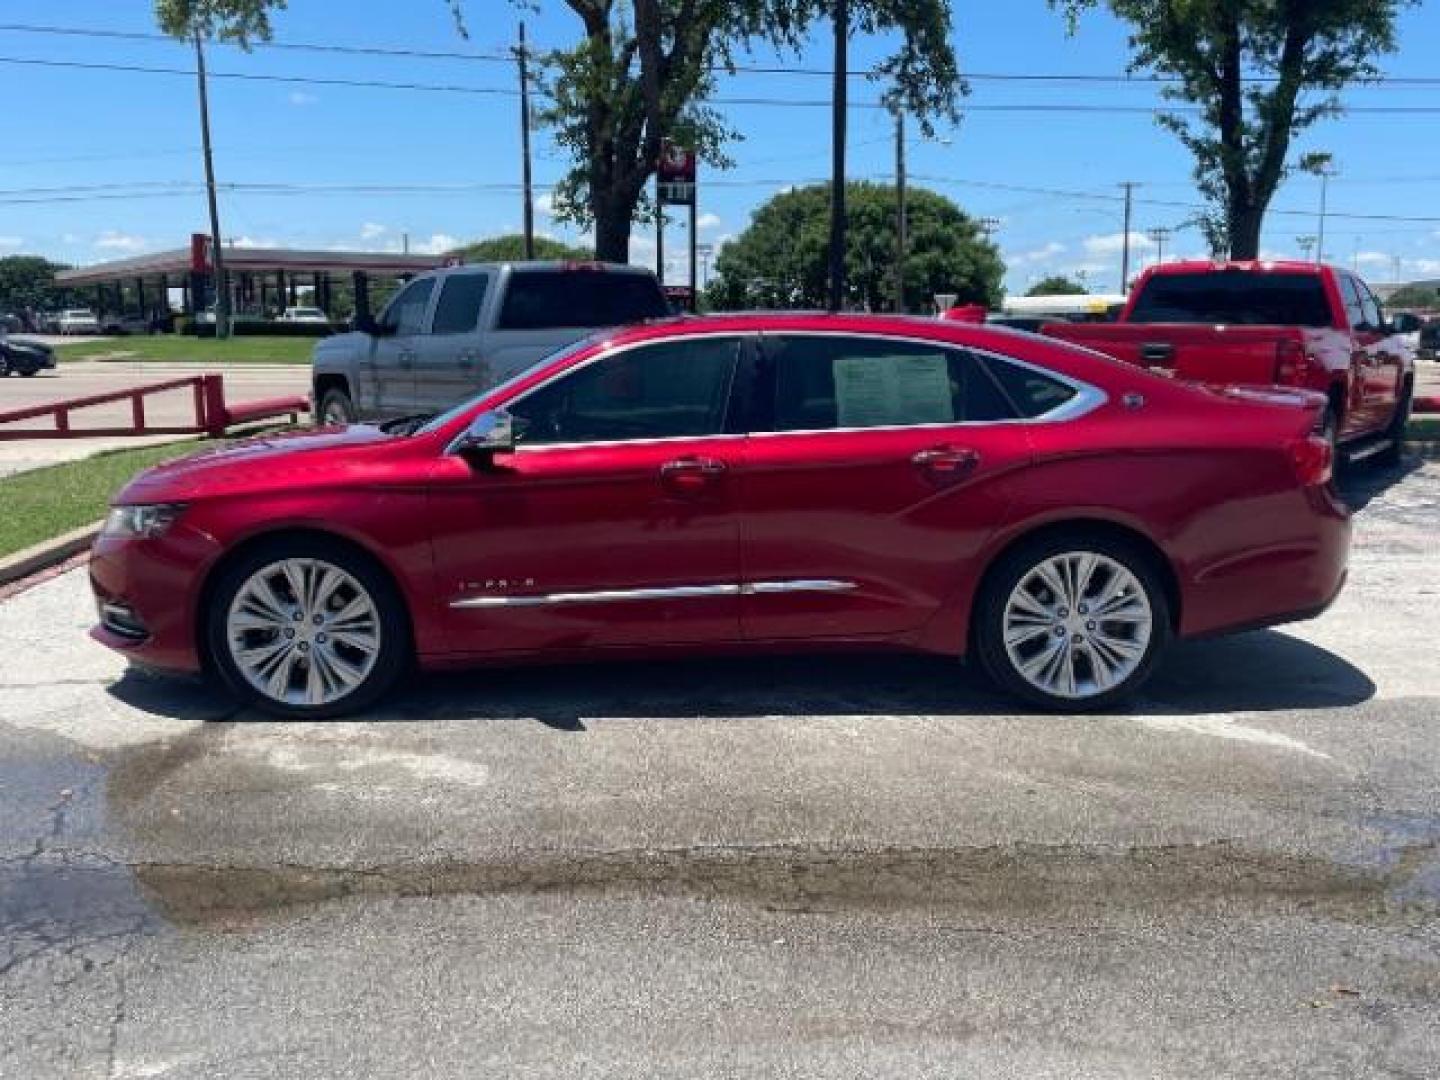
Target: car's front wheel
{"points": [[1073, 622], [307, 629]]}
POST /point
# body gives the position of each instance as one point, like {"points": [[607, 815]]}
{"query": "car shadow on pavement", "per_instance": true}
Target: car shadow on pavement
{"points": [[1258, 672], [1360, 483]]}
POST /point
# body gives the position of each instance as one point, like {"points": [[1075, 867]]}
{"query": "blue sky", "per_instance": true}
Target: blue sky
{"points": [[90, 128]]}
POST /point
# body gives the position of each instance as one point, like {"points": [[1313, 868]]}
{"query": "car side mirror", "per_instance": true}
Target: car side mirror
{"points": [[491, 432]]}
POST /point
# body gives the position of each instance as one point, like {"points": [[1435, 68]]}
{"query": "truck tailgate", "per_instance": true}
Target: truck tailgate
{"points": [[1209, 354]]}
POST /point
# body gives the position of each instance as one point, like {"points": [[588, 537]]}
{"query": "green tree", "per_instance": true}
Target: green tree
{"points": [[1261, 72], [1057, 285], [240, 21], [642, 72], [1414, 296], [27, 283], [780, 260], [511, 248]]}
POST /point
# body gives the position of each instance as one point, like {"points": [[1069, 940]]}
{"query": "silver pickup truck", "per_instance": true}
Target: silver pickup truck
{"points": [[449, 334]]}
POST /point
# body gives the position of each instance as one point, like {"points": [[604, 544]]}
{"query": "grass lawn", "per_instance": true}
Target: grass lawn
{"points": [[180, 348], [44, 503]]}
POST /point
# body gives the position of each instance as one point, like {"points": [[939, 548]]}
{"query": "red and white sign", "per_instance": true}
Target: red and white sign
{"points": [[675, 173]]}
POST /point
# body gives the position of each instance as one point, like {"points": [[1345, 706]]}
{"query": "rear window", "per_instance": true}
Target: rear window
{"points": [[584, 300], [1234, 298]]}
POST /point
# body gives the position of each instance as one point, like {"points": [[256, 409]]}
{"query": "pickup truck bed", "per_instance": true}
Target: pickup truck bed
{"points": [[1265, 324]]}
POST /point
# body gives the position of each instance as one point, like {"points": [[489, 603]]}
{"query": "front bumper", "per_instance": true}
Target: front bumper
{"points": [[147, 593]]}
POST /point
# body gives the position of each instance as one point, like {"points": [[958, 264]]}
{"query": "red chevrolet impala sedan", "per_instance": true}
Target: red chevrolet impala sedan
{"points": [[755, 482]]}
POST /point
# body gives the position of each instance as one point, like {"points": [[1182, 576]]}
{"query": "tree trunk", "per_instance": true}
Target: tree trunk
{"points": [[1245, 223], [612, 231]]}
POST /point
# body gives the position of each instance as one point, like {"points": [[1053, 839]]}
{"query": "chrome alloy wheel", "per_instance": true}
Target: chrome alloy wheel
{"points": [[335, 414], [303, 632], [1077, 625]]}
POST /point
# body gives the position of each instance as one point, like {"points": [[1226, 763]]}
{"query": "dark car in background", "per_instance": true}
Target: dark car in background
{"points": [[23, 357]]}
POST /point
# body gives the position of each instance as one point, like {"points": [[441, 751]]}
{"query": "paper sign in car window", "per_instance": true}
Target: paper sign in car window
{"points": [[887, 391]]}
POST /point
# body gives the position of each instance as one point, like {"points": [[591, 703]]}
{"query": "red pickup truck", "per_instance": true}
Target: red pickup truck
{"points": [[1265, 324]]}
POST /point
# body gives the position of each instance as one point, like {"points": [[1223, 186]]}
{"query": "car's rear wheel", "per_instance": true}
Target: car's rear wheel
{"points": [[336, 408], [1073, 623], [307, 629]]}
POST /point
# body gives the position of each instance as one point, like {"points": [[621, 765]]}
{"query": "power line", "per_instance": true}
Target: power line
{"points": [[502, 57], [766, 102]]}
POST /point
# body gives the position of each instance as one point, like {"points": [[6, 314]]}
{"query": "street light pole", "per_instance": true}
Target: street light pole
{"points": [[526, 176], [901, 238], [837, 169], [217, 251]]}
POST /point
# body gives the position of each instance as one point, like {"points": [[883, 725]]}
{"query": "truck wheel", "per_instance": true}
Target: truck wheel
{"points": [[1395, 433], [336, 408]]}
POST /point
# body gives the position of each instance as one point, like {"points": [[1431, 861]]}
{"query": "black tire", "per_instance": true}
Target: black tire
{"points": [[391, 659], [1399, 423], [29, 373], [1017, 566], [336, 407]]}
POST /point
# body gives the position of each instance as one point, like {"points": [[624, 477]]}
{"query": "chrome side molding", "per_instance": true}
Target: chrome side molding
{"points": [[679, 592]]}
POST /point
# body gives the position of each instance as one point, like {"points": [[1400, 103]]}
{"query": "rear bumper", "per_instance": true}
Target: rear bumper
{"points": [[1298, 577]]}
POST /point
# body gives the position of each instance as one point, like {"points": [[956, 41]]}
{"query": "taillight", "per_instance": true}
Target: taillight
{"points": [[1313, 458], [1292, 366]]}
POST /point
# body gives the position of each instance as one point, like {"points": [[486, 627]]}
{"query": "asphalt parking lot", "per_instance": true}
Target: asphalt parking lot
{"points": [[792, 867]]}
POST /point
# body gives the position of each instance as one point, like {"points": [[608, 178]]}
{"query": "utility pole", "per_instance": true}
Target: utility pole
{"points": [[1306, 245], [527, 177], [989, 226], [1159, 235], [839, 106], [901, 237], [1129, 186], [1326, 172], [1399, 263], [217, 251]]}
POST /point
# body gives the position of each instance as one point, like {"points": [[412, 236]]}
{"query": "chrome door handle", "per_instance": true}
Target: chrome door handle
{"points": [[692, 475], [946, 464]]}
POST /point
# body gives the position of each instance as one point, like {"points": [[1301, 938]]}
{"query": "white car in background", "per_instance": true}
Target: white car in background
{"points": [[304, 315], [77, 321]]}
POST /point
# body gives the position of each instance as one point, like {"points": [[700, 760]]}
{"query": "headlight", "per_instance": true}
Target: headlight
{"points": [[141, 520]]}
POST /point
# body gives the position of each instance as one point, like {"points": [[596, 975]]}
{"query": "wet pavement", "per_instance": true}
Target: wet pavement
{"points": [[788, 867]]}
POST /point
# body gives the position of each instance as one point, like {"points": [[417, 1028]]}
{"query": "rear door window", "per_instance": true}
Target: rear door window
{"points": [[583, 300], [1233, 298], [1032, 393], [825, 383], [458, 310]]}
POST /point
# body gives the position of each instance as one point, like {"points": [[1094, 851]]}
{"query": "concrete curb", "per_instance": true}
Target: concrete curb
{"points": [[47, 554]]}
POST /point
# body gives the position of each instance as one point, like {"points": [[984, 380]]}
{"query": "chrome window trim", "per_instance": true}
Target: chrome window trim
{"points": [[1087, 397], [677, 592]]}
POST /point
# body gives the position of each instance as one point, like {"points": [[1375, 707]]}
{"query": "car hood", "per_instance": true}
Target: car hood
{"points": [[266, 463]]}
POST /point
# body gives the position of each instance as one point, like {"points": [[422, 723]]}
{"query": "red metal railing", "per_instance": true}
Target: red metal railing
{"points": [[211, 415]]}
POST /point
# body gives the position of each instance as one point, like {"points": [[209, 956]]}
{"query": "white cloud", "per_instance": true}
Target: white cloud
{"points": [[1374, 258], [1037, 255], [370, 230], [1114, 243], [438, 244], [709, 221], [545, 205], [300, 99], [11, 243], [110, 240], [255, 242], [1423, 267]]}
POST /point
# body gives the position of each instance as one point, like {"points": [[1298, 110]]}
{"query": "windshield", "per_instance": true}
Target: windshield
{"points": [[437, 422]]}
